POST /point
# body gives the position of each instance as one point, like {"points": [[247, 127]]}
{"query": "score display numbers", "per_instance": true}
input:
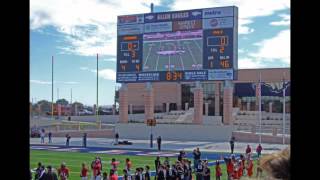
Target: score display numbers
{"points": [[190, 45]]}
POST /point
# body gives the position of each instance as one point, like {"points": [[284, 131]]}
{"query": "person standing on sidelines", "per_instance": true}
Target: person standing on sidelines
{"points": [[68, 137], [232, 144], [50, 137], [248, 150], [159, 143], [259, 149], [116, 139], [84, 140], [42, 135]]}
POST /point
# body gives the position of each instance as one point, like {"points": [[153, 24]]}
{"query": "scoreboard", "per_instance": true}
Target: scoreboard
{"points": [[190, 45]]}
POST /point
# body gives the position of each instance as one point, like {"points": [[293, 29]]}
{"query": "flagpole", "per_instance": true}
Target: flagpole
{"points": [[97, 107], [259, 84], [284, 111], [52, 89]]}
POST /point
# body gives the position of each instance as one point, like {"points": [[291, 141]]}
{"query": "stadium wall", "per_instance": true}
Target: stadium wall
{"points": [[176, 132]]}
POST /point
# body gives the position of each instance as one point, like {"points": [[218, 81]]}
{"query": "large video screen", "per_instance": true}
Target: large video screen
{"points": [[193, 45]]}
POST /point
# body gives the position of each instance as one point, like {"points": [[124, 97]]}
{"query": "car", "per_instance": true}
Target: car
{"points": [[35, 133]]}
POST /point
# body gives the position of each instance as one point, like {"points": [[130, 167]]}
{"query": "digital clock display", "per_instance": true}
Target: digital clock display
{"points": [[173, 76]]}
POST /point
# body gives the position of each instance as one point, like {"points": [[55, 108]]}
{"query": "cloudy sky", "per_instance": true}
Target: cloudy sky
{"points": [[74, 31]]}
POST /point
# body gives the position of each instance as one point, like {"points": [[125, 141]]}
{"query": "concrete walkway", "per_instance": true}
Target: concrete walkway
{"points": [[166, 145]]}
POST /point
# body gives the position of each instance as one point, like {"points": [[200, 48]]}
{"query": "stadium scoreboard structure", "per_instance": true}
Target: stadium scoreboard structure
{"points": [[190, 45]]}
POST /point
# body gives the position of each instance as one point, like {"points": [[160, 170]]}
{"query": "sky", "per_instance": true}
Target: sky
{"points": [[74, 31]]}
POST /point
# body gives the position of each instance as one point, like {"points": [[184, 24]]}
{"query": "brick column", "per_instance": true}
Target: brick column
{"points": [[123, 104], [217, 99], [270, 107], [198, 104], [167, 107], [148, 102], [179, 105], [227, 103], [130, 109], [239, 103], [114, 109], [186, 106], [59, 109], [206, 110], [75, 109]]}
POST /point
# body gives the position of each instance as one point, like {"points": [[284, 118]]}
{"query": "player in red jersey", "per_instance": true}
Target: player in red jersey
{"points": [[96, 170], [114, 165], [63, 172], [218, 170], [84, 172], [250, 168], [128, 165]]}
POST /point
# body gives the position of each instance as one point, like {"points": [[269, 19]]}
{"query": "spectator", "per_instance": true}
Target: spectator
{"points": [[113, 176], [105, 176], [259, 149], [84, 142], [68, 140], [84, 172], [63, 172], [50, 137], [248, 150], [232, 144], [42, 135], [159, 143], [277, 165], [147, 174], [50, 175]]}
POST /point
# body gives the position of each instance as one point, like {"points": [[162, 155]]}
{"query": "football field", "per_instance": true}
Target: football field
{"points": [[74, 160]]}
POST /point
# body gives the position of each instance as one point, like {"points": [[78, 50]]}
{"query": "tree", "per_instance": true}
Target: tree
{"points": [[45, 106], [79, 105], [62, 102]]}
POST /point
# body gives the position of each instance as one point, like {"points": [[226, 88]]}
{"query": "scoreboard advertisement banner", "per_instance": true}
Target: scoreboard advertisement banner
{"points": [[190, 45]]}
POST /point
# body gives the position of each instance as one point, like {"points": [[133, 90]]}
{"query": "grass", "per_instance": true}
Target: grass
{"points": [[74, 160]]}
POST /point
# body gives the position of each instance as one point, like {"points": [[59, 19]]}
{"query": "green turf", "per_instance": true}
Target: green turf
{"points": [[75, 159]]}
